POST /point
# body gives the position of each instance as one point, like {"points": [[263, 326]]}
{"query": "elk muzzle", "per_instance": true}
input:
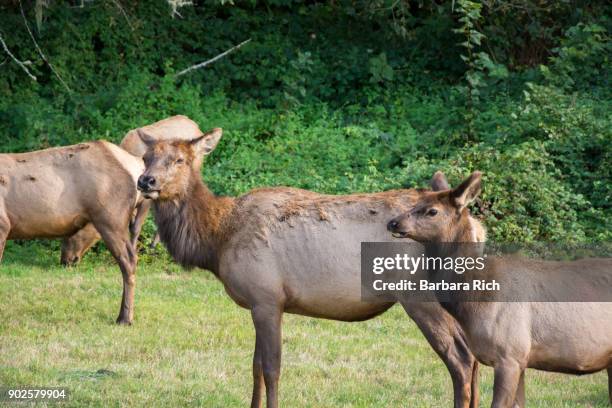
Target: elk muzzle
{"points": [[147, 184], [395, 226]]}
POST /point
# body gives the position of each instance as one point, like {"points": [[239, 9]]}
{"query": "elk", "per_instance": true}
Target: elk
{"points": [[56, 192], [283, 249], [174, 127], [570, 337]]}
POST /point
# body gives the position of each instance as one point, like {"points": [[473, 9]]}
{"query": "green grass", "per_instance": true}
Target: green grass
{"points": [[191, 346]]}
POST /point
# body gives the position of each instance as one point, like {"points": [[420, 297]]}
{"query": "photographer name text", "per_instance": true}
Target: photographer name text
{"points": [[405, 285]]}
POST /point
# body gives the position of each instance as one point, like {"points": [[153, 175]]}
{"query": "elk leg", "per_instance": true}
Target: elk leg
{"points": [[156, 240], [4, 231], [267, 321], [119, 244], [519, 402], [446, 338], [609, 379], [475, 393], [75, 246], [258, 379], [136, 225], [505, 384]]}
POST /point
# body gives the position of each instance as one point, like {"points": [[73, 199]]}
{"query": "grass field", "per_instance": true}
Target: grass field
{"points": [[191, 346]]}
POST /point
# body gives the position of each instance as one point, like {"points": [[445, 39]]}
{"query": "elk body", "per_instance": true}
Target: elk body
{"points": [[56, 192], [568, 337], [174, 127], [280, 250]]}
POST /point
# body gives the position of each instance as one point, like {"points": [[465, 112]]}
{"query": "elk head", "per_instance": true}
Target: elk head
{"points": [[172, 165], [441, 216]]}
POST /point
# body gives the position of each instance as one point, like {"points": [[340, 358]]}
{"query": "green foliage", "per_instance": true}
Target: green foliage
{"points": [[470, 15], [581, 58], [524, 200], [344, 97], [295, 80], [481, 70], [380, 69]]}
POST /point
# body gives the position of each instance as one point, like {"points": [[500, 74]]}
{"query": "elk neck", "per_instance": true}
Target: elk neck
{"points": [[194, 226], [467, 240]]}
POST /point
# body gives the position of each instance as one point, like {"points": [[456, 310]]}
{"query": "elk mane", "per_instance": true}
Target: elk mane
{"points": [[193, 227]]}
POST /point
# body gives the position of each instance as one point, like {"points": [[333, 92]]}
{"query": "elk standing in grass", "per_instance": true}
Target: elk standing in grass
{"points": [[174, 127], [56, 192], [570, 337], [282, 250]]}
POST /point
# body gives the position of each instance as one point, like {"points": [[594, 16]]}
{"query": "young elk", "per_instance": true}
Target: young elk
{"points": [[56, 192], [282, 250], [568, 337]]}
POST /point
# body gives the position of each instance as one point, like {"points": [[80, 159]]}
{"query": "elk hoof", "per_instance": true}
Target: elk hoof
{"points": [[70, 262], [123, 321]]}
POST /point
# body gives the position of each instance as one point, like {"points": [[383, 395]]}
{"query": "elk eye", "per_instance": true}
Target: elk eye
{"points": [[180, 161], [432, 212]]}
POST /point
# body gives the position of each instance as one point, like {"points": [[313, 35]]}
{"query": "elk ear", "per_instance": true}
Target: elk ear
{"points": [[467, 191], [439, 182], [206, 143], [145, 137]]}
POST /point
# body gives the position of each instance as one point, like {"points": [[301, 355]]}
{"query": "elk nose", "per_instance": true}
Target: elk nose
{"points": [[145, 182], [392, 225]]}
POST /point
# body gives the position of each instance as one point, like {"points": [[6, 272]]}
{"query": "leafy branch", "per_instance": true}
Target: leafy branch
{"points": [[480, 66]]}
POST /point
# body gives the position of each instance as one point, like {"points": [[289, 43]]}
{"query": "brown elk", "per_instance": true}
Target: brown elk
{"points": [[174, 127], [570, 337], [56, 192], [282, 250]]}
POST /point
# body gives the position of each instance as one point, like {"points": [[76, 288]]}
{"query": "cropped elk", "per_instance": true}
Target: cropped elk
{"points": [[174, 127], [566, 337], [282, 250], [57, 192]]}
